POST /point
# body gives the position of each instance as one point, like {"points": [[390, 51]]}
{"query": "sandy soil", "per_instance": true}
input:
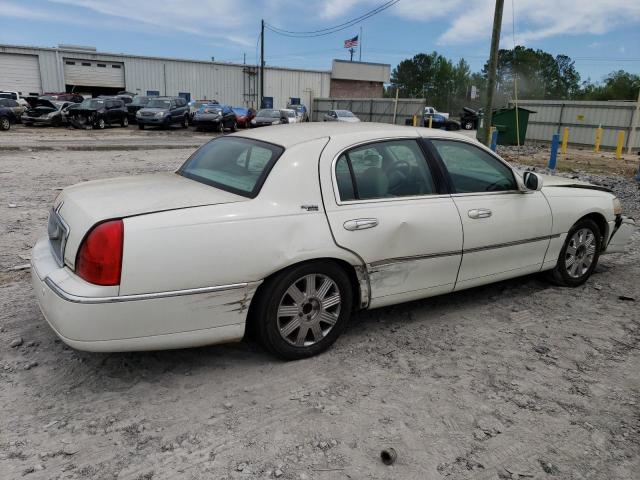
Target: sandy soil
{"points": [[514, 380]]}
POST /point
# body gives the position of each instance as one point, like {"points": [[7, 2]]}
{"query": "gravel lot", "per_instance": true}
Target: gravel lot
{"points": [[514, 380]]}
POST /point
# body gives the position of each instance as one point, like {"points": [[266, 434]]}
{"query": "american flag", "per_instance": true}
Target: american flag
{"points": [[352, 42]]}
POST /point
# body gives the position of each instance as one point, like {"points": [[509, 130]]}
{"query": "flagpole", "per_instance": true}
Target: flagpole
{"points": [[360, 44]]}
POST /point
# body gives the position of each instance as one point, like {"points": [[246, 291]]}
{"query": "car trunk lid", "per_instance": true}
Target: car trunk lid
{"points": [[82, 206]]}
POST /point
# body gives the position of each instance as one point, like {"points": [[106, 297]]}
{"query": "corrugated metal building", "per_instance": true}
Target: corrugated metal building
{"points": [[86, 71]]}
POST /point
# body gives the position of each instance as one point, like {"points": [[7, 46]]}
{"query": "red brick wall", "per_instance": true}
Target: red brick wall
{"points": [[355, 89]]}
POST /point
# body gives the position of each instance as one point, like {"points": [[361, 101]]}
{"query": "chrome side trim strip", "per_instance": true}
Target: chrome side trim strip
{"points": [[511, 244], [391, 261], [139, 296]]}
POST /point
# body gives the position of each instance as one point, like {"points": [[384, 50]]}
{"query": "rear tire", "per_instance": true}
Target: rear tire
{"points": [[221, 127], [308, 322], [234, 126], [185, 121], [101, 124], [467, 125], [125, 122], [579, 255], [5, 124]]}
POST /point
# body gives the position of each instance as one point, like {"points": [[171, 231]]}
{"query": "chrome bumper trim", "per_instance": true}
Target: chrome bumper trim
{"points": [[139, 296]]}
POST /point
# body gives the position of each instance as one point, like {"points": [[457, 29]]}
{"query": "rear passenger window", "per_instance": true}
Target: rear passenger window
{"points": [[384, 170]]}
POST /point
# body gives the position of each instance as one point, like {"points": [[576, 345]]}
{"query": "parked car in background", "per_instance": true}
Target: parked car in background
{"points": [[243, 116], [7, 118], [164, 112], [17, 96], [195, 105], [433, 111], [63, 97], [340, 116], [138, 102], [439, 121], [301, 112], [469, 118], [45, 112], [65, 112], [246, 237], [289, 116], [265, 117], [215, 116], [15, 107], [98, 113]]}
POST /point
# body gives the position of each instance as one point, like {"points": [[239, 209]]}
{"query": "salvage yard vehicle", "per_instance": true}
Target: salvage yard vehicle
{"points": [[289, 116], [14, 106], [340, 116], [45, 112], [215, 116], [163, 112], [243, 116], [266, 117], [195, 105], [138, 102], [17, 96], [470, 118], [439, 121], [284, 232], [63, 97], [98, 113], [7, 118]]}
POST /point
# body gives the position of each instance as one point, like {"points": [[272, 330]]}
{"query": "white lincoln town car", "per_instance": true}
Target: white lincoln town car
{"points": [[285, 231]]}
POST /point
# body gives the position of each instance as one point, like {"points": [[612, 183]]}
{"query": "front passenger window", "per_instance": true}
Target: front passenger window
{"points": [[472, 169]]}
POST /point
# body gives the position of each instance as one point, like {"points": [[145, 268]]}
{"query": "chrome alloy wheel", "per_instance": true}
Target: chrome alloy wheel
{"points": [[580, 253], [308, 310]]}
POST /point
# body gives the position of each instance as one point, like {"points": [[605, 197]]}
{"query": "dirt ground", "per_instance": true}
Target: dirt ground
{"points": [[515, 380]]}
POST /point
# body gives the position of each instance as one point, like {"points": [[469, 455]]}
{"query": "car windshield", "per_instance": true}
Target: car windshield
{"points": [[268, 113], [159, 103], [237, 165], [140, 101], [208, 108], [92, 103], [289, 113], [344, 113], [240, 111], [8, 95]]}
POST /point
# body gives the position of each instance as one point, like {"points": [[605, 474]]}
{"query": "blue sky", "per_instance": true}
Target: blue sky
{"points": [[601, 35]]}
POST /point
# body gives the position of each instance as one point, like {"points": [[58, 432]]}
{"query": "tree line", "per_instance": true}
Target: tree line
{"points": [[538, 75]]}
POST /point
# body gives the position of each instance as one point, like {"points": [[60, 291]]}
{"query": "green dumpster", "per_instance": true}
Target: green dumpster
{"points": [[504, 120]]}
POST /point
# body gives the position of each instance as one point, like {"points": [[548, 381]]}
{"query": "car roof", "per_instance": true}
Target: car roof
{"points": [[289, 135]]}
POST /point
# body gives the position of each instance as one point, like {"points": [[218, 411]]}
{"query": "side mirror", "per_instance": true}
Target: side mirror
{"points": [[532, 181]]}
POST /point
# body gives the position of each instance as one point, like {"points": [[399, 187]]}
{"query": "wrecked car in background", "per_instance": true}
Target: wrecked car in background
{"points": [[98, 113], [164, 112], [45, 112], [284, 232]]}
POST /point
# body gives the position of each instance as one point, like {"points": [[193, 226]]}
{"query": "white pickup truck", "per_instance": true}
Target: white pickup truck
{"points": [[432, 111]]}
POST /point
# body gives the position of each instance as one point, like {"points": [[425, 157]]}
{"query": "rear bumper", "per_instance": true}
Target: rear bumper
{"points": [[621, 230], [87, 317]]}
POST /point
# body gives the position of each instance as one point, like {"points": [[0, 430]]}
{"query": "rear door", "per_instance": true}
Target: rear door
{"points": [[506, 231], [386, 202]]}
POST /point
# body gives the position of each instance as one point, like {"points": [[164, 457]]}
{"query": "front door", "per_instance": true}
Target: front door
{"points": [[386, 203], [506, 231]]}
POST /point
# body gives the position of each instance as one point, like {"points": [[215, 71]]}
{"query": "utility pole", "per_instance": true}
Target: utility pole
{"points": [[485, 133], [360, 45], [261, 62]]}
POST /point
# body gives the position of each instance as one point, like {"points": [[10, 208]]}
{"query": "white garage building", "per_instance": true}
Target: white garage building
{"points": [[35, 70]]}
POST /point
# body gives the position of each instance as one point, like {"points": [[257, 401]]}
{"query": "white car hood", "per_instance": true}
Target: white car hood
{"points": [[85, 204], [349, 119]]}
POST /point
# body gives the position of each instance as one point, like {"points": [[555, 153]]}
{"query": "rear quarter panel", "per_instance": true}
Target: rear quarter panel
{"points": [[234, 242]]}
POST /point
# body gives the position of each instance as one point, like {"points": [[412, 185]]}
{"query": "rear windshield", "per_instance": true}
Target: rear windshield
{"points": [[237, 165]]}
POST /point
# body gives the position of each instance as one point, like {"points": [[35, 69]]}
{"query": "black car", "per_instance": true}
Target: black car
{"points": [[44, 112], [267, 116], [437, 121], [216, 117], [7, 118], [138, 102], [163, 112], [469, 118], [98, 113]]}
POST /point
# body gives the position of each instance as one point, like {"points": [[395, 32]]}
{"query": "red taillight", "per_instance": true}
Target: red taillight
{"points": [[99, 259]]}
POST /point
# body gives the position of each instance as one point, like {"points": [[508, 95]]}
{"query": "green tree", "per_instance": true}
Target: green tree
{"points": [[619, 85]]}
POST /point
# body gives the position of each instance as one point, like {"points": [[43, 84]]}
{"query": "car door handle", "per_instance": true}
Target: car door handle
{"points": [[479, 213], [360, 223]]}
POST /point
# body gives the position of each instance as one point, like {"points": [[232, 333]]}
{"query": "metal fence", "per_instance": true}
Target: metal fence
{"points": [[582, 118], [371, 109]]}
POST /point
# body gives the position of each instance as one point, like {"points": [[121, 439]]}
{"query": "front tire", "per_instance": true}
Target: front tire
{"points": [[579, 255], [234, 126], [101, 124], [125, 122], [185, 121], [467, 125], [303, 310], [5, 124]]}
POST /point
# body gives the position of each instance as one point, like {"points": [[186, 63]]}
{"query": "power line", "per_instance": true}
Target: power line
{"points": [[335, 28]]}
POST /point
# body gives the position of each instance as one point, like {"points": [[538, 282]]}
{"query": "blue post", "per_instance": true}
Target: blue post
{"points": [[494, 140], [554, 151]]}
